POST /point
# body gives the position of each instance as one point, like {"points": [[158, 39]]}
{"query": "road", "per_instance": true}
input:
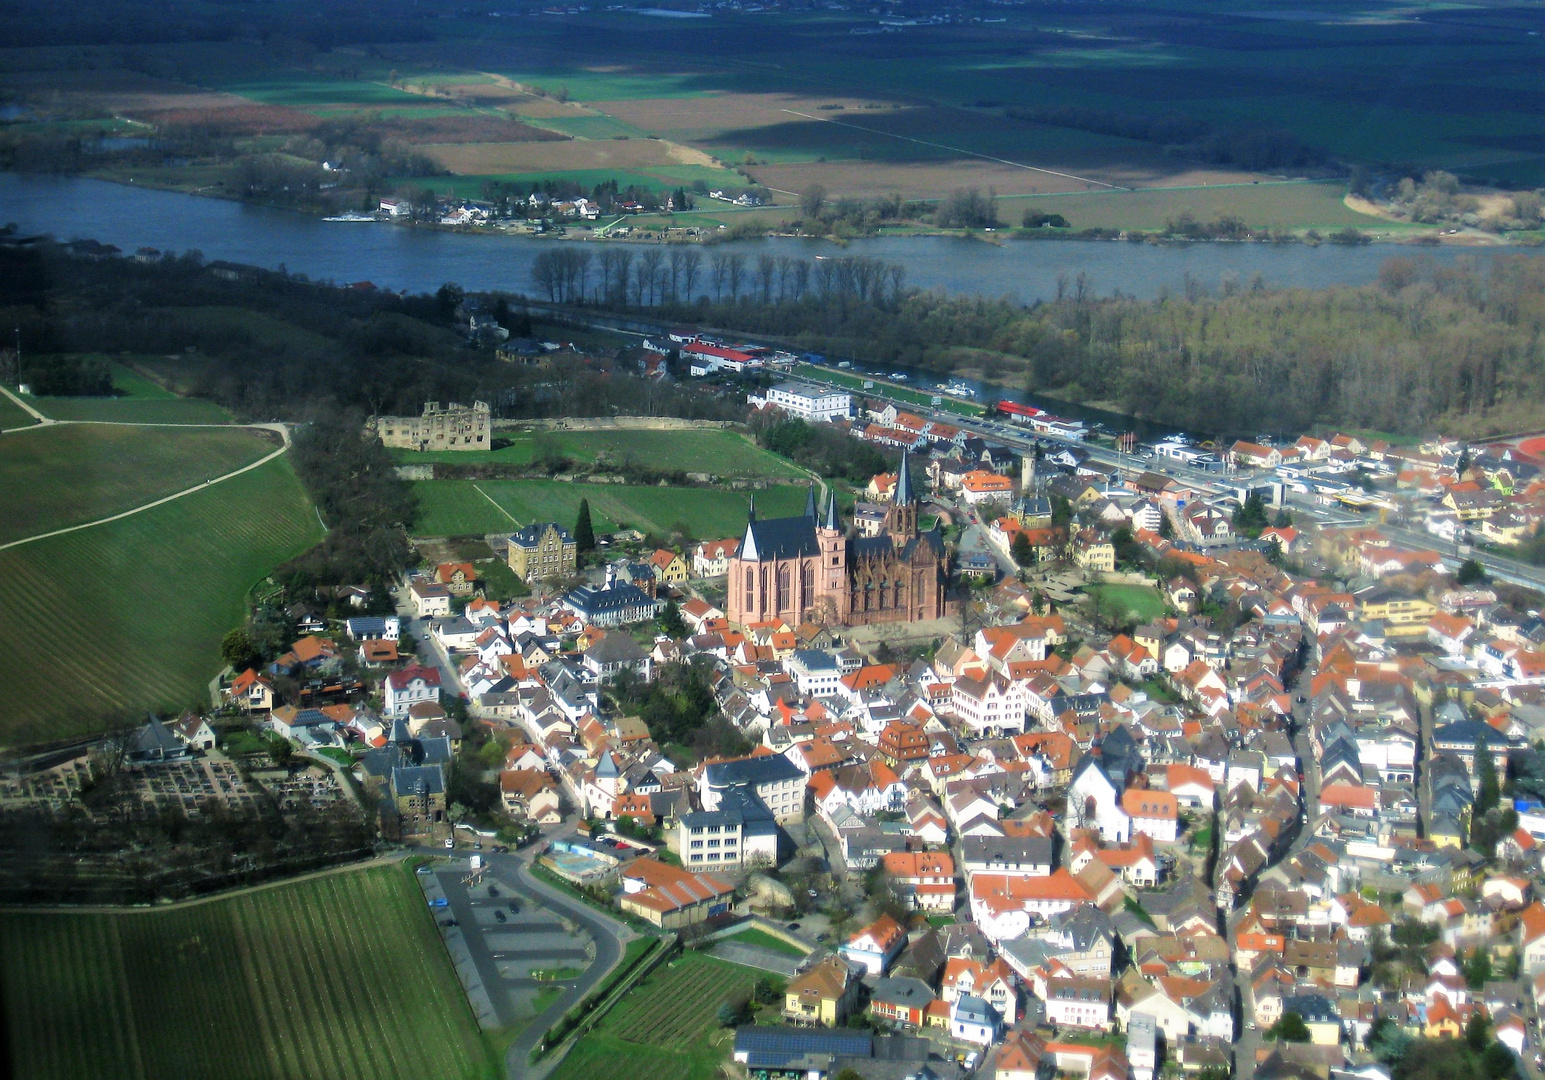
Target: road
{"points": [[432, 652]]}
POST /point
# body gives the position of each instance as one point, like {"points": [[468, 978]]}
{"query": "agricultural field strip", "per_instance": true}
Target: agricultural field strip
{"points": [[284, 434], [309, 1019], [673, 1017], [25, 408], [957, 150], [268, 525], [497, 507]]}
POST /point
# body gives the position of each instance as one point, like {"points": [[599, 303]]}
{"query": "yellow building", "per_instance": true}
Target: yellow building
{"points": [[668, 566], [1402, 614], [543, 550], [823, 995]]}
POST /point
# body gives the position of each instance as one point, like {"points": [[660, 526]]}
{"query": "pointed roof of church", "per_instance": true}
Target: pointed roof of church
{"points": [[810, 502], [903, 494], [832, 521]]}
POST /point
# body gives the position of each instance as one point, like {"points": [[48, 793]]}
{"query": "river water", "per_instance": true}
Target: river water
{"points": [[419, 260]]}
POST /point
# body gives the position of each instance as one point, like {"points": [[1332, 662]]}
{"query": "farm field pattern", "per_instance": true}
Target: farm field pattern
{"points": [[792, 101], [72, 473], [136, 607], [466, 507], [663, 1029], [341, 976], [722, 453]]}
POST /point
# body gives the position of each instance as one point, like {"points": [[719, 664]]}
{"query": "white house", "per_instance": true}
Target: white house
{"points": [[406, 688], [1094, 803], [815, 403], [1079, 1002], [876, 945], [712, 558], [973, 1020]]}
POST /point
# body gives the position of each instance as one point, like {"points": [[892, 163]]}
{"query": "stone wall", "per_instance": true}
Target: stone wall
{"points": [[611, 423]]}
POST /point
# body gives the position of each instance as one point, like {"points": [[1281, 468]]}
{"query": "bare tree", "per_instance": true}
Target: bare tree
{"points": [[721, 268], [801, 277], [737, 271], [690, 263], [784, 263], [649, 265], [766, 265]]}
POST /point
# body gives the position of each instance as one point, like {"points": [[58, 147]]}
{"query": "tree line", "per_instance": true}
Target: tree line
{"points": [[1428, 345], [654, 276]]}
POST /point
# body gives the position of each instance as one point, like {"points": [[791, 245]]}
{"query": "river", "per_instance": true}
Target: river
{"points": [[420, 260]]}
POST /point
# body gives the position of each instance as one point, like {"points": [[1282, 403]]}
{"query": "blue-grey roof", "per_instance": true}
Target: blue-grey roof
{"points": [[779, 538], [766, 769], [799, 1041], [532, 534], [418, 780], [592, 600]]}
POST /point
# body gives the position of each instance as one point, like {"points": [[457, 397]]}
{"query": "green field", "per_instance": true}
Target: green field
{"points": [[1141, 602], [460, 508], [116, 619], [665, 1028], [711, 450], [71, 473], [889, 390], [763, 940], [13, 415], [340, 976], [141, 402], [1273, 206]]}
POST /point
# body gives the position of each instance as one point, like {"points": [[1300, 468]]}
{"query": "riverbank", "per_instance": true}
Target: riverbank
{"points": [[1142, 226], [422, 259]]}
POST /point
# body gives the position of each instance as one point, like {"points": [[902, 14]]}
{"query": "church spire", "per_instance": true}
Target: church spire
{"points": [[831, 512], [904, 494], [810, 502], [751, 512]]}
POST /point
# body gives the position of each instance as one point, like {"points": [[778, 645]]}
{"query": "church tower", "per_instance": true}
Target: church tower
{"points": [[832, 572], [1027, 475], [901, 518]]}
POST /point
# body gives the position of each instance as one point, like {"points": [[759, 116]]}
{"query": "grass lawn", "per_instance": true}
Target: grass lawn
{"points": [[889, 390], [13, 415], [141, 402], [666, 1027], [465, 507], [762, 939], [116, 619], [340, 976], [711, 450], [1276, 206], [1142, 602], [72, 473]]}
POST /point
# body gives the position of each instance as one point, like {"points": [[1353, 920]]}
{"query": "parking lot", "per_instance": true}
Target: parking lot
{"points": [[508, 949]]}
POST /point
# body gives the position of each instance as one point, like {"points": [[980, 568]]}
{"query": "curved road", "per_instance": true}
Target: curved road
{"points": [[607, 934], [512, 872], [283, 431]]}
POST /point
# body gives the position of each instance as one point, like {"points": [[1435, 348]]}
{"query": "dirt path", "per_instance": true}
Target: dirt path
{"points": [[282, 429], [490, 498], [43, 421]]}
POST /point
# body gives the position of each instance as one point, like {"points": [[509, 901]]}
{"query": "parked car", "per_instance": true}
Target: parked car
{"points": [[500, 916], [447, 922], [425, 870], [493, 890], [514, 908]]}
